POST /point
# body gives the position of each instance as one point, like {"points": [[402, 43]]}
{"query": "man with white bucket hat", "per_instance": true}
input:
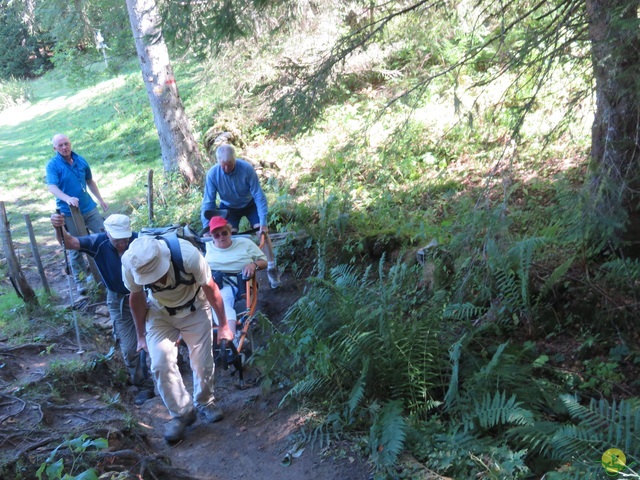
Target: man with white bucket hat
{"points": [[177, 305]]}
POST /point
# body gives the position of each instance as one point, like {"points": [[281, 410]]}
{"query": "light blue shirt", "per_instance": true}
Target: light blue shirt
{"points": [[236, 189], [72, 180]]}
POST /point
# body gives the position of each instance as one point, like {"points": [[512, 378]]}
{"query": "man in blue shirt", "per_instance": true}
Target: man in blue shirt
{"points": [[241, 195], [68, 178], [106, 249]]}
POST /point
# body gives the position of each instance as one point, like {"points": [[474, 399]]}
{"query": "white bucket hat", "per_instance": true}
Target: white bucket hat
{"points": [[118, 226], [148, 259]]}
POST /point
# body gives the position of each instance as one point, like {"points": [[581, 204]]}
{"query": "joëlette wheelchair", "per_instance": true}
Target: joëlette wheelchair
{"points": [[228, 353]]}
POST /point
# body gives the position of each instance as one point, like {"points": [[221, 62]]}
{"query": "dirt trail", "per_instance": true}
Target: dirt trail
{"points": [[251, 442]]}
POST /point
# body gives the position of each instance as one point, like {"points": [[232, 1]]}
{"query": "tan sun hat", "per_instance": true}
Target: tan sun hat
{"points": [[148, 259], [118, 226]]}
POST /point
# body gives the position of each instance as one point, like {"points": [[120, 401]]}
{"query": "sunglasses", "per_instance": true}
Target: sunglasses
{"points": [[223, 233], [119, 241]]}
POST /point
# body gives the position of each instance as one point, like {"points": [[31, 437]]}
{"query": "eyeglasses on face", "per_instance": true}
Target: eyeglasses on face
{"points": [[120, 241], [223, 233]]}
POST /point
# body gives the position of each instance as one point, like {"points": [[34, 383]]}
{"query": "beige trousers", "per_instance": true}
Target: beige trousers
{"points": [[163, 331]]}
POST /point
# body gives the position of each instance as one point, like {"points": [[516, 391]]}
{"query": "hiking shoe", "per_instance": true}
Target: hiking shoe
{"points": [[144, 395], [274, 277], [174, 430], [210, 413]]}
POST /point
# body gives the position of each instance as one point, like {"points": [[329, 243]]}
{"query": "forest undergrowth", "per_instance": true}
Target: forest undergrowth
{"points": [[465, 306]]}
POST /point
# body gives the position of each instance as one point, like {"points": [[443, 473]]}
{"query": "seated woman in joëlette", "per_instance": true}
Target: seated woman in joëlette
{"points": [[231, 259]]}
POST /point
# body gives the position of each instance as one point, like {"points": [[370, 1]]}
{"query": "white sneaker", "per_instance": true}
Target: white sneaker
{"points": [[274, 277]]}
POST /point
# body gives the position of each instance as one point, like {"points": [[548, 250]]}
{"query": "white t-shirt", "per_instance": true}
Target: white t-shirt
{"points": [[233, 259], [194, 264]]}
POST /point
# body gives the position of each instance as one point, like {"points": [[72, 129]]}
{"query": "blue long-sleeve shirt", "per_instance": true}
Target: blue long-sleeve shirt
{"points": [[236, 189]]}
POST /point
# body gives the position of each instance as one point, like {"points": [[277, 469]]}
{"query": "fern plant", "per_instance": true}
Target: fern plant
{"points": [[601, 425], [362, 339], [387, 433]]}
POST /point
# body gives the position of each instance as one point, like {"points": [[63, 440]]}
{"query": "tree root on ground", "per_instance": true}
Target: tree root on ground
{"points": [[145, 466]]}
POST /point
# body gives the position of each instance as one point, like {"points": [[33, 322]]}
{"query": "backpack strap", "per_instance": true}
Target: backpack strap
{"points": [[176, 260], [178, 267]]}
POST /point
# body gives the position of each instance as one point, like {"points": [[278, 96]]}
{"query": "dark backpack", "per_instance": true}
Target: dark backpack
{"points": [[179, 231]]}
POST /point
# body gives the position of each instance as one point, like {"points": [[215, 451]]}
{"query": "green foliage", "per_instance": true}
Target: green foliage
{"points": [[387, 433], [52, 469], [13, 92], [72, 28], [481, 147], [334, 331], [601, 376], [14, 56], [491, 412], [601, 425], [173, 203]]}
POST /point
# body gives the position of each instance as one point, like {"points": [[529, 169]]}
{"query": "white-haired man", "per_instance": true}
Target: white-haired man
{"points": [[68, 179], [237, 184]]}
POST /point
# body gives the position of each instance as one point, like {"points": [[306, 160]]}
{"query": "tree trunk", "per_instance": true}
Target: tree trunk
{"points": [[20, 284], [615, 43], [178, 146]]}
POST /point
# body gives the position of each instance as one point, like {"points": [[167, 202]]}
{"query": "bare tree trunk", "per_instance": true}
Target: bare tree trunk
{"points": [[614, 140], [179, 148], [22, 287]]}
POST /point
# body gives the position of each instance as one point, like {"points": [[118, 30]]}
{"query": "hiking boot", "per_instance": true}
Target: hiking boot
{"points": [[210, 413], [274, 277], [174, 430], [144, 395]]}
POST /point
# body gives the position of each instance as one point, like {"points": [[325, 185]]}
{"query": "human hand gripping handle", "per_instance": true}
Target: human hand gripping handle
{"points": [[142, 344], [73, 202], [249, 270]]}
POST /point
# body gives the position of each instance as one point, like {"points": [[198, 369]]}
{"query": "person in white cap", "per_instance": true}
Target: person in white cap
{"points": [[177, 305], [106, 249]]}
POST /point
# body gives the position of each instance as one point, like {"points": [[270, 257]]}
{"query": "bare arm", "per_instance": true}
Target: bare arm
{"points": [[63, 196], [212, 293], [93, 186], [138, 305], [70, 242], [250, 269]]}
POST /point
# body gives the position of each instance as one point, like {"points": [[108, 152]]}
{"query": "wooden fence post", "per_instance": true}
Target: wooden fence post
{"points": [[36, 253], [23, 289], [150, 195]]}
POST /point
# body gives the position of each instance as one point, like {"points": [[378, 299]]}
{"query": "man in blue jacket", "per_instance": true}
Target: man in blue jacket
{"points": [[241, 195], [107, 249], [68, 179]]}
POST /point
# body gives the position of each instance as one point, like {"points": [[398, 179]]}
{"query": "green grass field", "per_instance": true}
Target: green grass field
{"points": [[110, 124]]}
